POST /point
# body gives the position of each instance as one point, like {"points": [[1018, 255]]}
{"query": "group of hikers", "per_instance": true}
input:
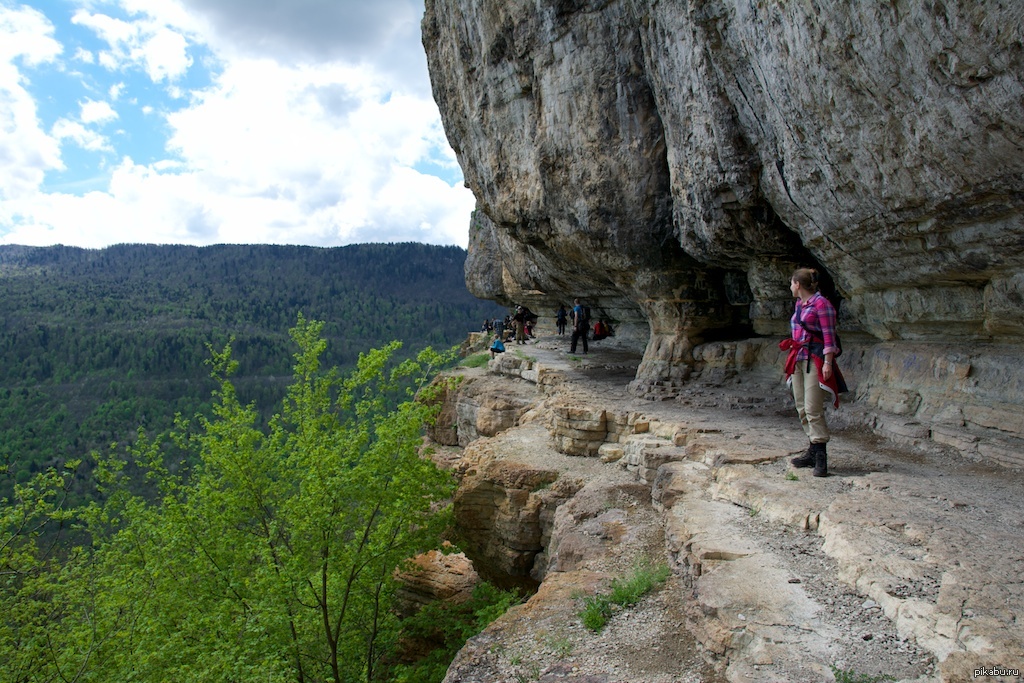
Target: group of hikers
{"points": [[519, 327], [812, 350], [516, 327]]}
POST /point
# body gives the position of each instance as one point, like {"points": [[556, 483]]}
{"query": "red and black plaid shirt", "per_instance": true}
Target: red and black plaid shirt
{"points": [[819, 316]]}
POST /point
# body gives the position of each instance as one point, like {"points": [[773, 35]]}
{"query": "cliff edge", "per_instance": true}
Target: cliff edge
{"points": [[906, 563]]}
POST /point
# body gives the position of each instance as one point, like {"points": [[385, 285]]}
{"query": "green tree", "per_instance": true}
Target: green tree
{"points": [[274, 558], [30, 522]]}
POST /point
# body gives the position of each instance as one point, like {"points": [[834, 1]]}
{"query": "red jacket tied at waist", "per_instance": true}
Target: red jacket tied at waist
{"points": [[834, 385]]}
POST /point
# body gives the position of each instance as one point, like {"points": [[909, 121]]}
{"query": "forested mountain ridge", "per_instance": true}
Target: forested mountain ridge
{"points": [[99, 342]]}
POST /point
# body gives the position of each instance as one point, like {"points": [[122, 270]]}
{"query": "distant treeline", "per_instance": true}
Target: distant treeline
{"points": [[96, 343]]}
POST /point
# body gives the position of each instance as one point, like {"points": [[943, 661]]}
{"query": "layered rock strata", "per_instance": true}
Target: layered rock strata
{"points": [[672, 162], [904, 562]]}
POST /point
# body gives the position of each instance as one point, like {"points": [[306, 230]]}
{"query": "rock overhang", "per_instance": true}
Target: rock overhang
{"points": [[671, 163]]}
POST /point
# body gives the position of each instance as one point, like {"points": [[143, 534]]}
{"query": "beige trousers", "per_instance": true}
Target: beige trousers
{"points": [[810, 402]]}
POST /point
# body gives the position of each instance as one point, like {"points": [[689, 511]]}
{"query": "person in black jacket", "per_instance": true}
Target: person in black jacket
{"points": [[580, 326], [519, 320]]}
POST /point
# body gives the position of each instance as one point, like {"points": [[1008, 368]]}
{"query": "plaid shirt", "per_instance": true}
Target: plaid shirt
{"points": [[819, 316]]}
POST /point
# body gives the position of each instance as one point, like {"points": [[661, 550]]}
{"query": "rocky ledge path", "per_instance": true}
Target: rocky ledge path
{"points": [[906, 563]]}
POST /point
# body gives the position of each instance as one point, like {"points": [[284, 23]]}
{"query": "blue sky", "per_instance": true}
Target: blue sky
{"points": [[221, 121]]}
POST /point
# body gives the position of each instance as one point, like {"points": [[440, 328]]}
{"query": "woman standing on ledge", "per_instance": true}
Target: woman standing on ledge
{"points": [[810, 366]]}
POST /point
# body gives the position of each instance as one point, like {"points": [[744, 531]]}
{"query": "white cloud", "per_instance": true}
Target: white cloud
{"points": [[74, 131], [265, 135], [26, 151], [91, 113], [320, 148], [146, 205], [354, 31], [165, 55], [27, 35], [97, 112], [115, 32], [172, 13], [84, 56], [157, 49]]}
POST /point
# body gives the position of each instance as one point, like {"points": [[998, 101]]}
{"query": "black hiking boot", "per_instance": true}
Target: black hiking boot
{"points": [[820, 460], [805, 460]]}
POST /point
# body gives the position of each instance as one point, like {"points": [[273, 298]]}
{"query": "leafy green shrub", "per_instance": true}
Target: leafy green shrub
{"points": [[598, 609], [271, 559], [449, 626]]}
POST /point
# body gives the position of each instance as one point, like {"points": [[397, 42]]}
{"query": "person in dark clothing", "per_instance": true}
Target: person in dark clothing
{"points": [[561, 317], [580, 327], [519, 320]]}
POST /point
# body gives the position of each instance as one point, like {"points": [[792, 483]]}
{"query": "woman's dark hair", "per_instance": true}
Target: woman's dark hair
{"points": [[806, 278]]}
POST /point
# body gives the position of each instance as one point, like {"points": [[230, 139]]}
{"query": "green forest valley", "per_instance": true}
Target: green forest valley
{"points": [[97, 343], [269, 555], [211, 462]]}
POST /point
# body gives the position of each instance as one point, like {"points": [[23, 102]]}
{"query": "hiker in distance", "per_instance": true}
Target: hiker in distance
{"points": [[519, 319], [811, 370], [580, 325]]}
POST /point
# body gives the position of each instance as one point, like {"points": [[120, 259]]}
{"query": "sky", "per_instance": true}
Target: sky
{"points": [[222, 121]]}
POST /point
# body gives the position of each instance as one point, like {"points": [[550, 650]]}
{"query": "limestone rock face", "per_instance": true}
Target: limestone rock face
{"points": [[444, 428], [672, 162], [435, 576], [486, 414], [504, 513], [578, 429], [474, 410], [429, 578]]}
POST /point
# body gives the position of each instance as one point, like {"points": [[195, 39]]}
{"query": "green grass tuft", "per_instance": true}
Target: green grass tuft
{"points": [[851, 676], [598, 609], [477, 360]]}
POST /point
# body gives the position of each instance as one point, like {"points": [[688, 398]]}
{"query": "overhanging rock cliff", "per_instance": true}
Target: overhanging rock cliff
{"points": [[672, 162]]}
